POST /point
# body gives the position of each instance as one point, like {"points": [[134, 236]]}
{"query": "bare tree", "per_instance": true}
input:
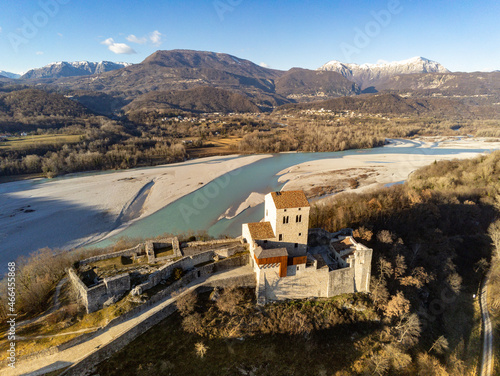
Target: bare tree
{"points": [[186, 302], [494, 233], [379, 363], [379, 292], [408, 329], [193, 323], [455, 282], [418, 278], [229, 300], [440, 345], [384, 268], [363, 233], [201, 349], [400, 268], [385, 236], [397, 306], [429, 366], [399, 360]]}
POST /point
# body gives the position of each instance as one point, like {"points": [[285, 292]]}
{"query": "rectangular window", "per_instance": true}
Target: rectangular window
{"points": [[285, 219], [280, 237], [296, 245], [298, 218]]}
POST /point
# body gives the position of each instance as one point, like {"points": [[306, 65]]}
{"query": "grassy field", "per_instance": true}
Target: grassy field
{"points": [[216, 146], [16, 143]]}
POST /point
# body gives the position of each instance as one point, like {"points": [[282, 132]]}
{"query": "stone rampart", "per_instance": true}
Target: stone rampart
{"points": [[137, 250], [210, 242], [84, 367]]}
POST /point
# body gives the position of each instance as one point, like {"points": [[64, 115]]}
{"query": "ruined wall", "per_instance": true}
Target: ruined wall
{"points": [[210, 242], [93, 298], [117, 285], [152, 246], [96, 296], [127, 253], [84, 367]]}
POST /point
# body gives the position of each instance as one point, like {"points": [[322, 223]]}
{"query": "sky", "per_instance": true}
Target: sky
{"points": [[460, 34]]}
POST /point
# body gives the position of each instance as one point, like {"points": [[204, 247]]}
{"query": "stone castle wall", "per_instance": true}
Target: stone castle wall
{"points": [[94, 298], [84, 367], [137, 250]]}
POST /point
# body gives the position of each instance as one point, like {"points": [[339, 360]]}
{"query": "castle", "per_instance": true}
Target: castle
{"points": [[291, 261]]}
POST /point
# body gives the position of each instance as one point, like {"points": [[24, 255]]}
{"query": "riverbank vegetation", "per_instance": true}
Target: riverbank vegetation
{"points": [[158, 137]]}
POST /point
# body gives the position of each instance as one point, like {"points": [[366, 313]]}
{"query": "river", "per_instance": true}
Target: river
{"points": [[201, 210]]}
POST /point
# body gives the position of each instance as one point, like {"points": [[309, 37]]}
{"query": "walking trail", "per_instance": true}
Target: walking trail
{"points": [[487, 361]]}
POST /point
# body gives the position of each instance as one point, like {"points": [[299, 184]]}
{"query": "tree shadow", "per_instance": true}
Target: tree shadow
{"points": [[28, 224]]}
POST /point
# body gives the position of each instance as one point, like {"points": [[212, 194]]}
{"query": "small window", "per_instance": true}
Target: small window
{"points": [[298, 218], [284, 210], [296, 245], [298, 267], [300, 234], [265, 241], [300, 208], [286, 219], [280, 237]]}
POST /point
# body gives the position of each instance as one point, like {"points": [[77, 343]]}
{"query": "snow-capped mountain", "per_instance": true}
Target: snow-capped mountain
{"points": [[69, 69], [366, 75], [9, 74]]}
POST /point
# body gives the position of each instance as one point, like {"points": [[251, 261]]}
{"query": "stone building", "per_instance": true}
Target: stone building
{"points": [[293, 262]]}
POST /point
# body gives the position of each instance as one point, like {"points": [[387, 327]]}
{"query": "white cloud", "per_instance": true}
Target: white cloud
{"points": [[60, 35], [118, 48], [155, 37], [264, 65], [132, 38], [39, 52]]}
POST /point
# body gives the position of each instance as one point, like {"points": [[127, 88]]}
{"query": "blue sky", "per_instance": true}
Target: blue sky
{"points": [[460, 34]]}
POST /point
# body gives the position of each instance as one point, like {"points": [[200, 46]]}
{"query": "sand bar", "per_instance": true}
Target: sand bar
{"points": [[75, 210], [373, 171]]}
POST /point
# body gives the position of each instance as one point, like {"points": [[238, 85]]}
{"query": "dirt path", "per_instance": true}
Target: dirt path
{"points": [[76, 353], [487, 361]]}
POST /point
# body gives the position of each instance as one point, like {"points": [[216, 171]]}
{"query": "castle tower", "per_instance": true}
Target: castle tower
{"points": [[288, 214]]}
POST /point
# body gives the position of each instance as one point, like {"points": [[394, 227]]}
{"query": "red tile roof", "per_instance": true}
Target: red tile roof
{"points": [[261, 230], [290, 199]]}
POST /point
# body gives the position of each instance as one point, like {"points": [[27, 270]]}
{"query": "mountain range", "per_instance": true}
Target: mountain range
{"points": [[9, 74], [201, 81], [369, 75], [70, 69]]}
